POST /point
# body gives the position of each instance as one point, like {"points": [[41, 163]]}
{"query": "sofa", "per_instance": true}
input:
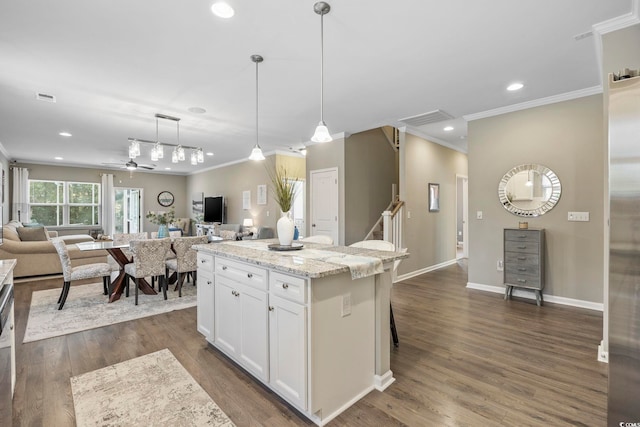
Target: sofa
{"points": [[35, 253]]}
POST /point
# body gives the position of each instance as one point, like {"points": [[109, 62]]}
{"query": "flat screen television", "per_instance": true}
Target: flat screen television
{"points": [[214, 209]]}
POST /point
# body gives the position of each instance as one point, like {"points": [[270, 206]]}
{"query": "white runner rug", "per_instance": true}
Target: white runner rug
{"points": [[87, 308], [151, 390]]}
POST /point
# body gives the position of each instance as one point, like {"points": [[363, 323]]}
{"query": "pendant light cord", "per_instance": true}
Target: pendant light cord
{"points": [[322, 67], [257, 145]]}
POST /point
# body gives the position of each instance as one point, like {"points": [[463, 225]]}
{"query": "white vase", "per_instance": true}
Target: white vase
{"points": [[285, 228]]}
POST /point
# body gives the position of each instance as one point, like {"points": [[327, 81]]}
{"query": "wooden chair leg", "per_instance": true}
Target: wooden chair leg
{"points": [[394, 332], [165, 284], [104, 285], [65, 292], [127, 278], [153, 283]]}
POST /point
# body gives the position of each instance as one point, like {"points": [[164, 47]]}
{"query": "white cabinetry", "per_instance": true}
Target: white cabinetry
{"points": [[241, 322], [205, 295]]}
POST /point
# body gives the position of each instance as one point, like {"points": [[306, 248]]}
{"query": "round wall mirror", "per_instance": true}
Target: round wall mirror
{"points": [[529, 190]]}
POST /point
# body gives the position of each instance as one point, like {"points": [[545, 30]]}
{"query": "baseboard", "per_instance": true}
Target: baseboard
{"points": [[425, 270], [603, 355], [381, 382], [597, 306]]}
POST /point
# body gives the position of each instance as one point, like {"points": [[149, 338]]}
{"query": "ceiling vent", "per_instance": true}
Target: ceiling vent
{"points": [[427, 118], [45, 97]]}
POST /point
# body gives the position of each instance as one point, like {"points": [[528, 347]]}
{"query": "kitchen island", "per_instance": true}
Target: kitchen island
{"points": [[311, 324]]}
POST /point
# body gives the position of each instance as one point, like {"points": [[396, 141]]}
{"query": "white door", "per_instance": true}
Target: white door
{"points": [[128, 207], [254, 349], [226, 316], [324, 203], [288, 349], [465, 218]]}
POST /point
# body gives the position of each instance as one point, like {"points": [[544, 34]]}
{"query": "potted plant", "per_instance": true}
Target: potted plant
{"points": [[284, 192], [162, 220]]}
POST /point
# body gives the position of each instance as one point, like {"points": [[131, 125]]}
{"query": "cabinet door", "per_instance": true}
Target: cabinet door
{"points": [[205, 305], [254, 334], [288, 350], [226, 316]]}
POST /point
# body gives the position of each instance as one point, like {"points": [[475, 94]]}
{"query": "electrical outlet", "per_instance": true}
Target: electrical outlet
{"points": [[346, 305], [500, 265], [408, 214], [267, 213]]}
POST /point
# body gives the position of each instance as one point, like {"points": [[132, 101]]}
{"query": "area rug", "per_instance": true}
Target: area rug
{"points": [[87, 308], [151, 390]]}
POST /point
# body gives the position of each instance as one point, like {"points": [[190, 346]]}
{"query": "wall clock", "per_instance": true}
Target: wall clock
{"points": [[165, 198]]}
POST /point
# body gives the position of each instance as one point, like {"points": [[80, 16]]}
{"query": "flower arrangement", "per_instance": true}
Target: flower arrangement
{"points": [[164, 218], [283, 186]]}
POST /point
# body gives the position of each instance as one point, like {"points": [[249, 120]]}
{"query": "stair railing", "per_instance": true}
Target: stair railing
{"points": [[392, 225]]}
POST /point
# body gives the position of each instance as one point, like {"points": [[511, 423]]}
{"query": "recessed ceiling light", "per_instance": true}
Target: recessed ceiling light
{"points": [[197, 110], [222, 10], [515, 86], [209, 153], [64, 134], [58, 158], [448, 129], [167, 169]]}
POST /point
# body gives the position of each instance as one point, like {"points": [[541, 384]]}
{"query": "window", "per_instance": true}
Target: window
{"points": [[55, 203]]}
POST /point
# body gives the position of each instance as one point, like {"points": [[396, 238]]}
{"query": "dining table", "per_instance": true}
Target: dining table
{"points": [[115, 250]]}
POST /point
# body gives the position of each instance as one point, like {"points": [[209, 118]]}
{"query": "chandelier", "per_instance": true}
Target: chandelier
{"points": [[157, 148]]}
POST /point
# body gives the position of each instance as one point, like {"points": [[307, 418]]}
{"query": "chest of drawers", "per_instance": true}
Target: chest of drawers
{"points": [[524, 261]]}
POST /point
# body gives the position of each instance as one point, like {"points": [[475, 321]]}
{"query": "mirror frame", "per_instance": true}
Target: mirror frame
{"points": [[556, 190]]}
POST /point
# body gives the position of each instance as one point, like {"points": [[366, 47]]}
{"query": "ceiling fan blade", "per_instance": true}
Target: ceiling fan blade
{"points": [[148, 167]]}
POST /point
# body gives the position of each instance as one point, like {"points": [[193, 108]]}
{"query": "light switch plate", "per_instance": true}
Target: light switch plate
{"points": [[346, 305], [478, 214], [578, 216]]}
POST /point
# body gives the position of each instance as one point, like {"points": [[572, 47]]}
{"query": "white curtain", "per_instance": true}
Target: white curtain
{"points": [[108, 204], [20, 207]]}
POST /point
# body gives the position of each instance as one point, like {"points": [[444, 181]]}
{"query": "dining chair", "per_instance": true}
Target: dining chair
{"points": [[186, 259], [172, 234], [318, 238], [149, 256], [122, 239], [87, 271], [383, 245]]}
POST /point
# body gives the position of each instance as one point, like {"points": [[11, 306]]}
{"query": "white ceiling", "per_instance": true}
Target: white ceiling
{"points": [[112, 65]]}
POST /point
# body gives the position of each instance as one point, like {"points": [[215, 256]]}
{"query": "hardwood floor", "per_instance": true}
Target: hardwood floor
{"points": [[466, 358]]}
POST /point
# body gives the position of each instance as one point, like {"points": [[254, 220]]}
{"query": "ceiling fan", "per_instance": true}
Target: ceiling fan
{"points": [[131, 165]]}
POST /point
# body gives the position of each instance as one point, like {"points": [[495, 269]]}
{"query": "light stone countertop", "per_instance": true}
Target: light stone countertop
{"points": [[6, 266], [301, 262]]}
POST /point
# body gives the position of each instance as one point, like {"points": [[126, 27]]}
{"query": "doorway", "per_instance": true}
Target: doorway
{"points": [[324, 203], [462, 217], [127, 206], [297, 207]]}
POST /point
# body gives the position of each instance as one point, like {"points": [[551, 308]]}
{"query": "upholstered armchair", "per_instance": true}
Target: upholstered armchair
{"points": [[186, 259], [184, 224]]}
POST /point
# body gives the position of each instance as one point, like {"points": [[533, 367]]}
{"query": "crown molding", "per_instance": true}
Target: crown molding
{"points": [[4, 152], [619, 22], [535, 103]]}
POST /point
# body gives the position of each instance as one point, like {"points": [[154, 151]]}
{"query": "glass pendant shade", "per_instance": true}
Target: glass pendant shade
{"points": [[321, 134], [154, 154], [194, 158], [200, 156], [256, 154], [160, 150], [174, 155], [181, 156]]}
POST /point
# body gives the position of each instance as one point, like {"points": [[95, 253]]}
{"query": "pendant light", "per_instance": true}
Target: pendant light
{"points": [[322, 133], [256, 153]]}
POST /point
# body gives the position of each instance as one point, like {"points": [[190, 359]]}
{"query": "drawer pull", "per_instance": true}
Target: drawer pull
{"points": [[522, 280], [249, 275], [202, 261], [522, 269], [209, 282], [224, 267], [522, 247], [285, 286], [522, 258], [235, 293], [270, 308], [523, 236]]}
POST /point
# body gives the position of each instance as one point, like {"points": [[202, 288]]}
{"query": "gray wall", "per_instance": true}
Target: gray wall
{"points": [[152, 183], [568, 138], [370, 171], [429, 236], [6, 207], [324, 156]]}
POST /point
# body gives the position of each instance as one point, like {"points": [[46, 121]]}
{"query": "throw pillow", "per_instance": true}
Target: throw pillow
{"points": [[33, 234], [228, 234]]}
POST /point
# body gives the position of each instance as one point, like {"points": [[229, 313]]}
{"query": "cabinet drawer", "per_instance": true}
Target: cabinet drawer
{"points": [[522, 235], [520, 269], [289, 287], [521, 247], [521, 259], [205, 263], [241, 272], [522, 280]]}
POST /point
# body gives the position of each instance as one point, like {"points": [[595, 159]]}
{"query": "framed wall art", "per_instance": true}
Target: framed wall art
{"points": [[434, 197]]}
